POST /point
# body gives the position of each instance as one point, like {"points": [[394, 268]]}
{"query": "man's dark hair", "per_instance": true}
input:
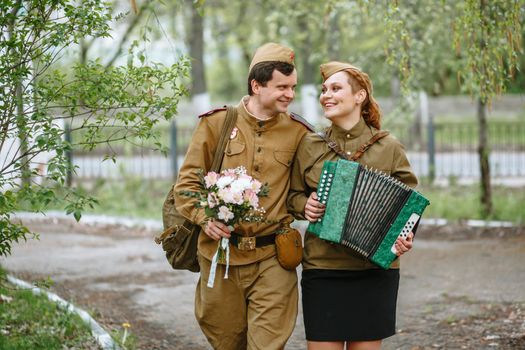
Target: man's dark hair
{"points": [[262, 72]]}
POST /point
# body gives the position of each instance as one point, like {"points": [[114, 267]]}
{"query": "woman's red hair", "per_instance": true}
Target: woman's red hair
{"points": [[370, 108]]}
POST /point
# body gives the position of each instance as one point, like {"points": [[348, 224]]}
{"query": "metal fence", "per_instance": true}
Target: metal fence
{"points": [[451, 149], [447, 149]]}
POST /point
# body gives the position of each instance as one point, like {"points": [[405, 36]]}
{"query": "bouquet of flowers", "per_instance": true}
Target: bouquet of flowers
{"points": [[231, 196]]}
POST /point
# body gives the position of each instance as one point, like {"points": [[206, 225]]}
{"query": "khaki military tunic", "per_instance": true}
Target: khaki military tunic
{"points": [[386, 155], [266, 149]]}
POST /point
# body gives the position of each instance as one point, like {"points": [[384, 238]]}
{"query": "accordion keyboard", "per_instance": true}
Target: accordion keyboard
{"points": [[323, 188], [411, 222]]}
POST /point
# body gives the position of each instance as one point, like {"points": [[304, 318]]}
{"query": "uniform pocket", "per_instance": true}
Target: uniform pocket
{"points": [[234, 147], [284, 157]]}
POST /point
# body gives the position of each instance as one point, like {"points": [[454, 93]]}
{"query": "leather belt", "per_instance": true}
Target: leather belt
{"points": [[252, 242]]}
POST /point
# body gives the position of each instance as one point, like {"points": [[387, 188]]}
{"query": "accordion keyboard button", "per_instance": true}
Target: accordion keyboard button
{"points": [[406, 229]]}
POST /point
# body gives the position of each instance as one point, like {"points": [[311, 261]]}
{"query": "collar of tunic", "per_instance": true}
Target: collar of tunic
{"points": [[253, 120], [336, 132]]}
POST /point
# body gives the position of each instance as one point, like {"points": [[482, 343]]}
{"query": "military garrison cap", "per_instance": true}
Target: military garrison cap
{"points": [[330, 68], [272, 52]]}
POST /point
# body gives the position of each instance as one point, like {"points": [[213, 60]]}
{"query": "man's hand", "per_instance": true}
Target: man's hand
{"points": [[313, 210], [404, 245], [216, 230]]}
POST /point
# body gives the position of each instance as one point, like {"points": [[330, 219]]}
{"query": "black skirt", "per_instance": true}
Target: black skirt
{"points": [[342, 305]]}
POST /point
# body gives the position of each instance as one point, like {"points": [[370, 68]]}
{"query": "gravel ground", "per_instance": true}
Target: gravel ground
{"points": [[461, 287]]}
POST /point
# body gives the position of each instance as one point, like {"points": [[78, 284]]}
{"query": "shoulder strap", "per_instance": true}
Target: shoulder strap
{"points": [[333, 145], [205, 114], [227, 127], [360, 151], [301, 120]]}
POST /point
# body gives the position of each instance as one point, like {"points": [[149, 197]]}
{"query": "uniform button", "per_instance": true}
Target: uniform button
{"points": [[259, 133], [347, 136], [259, 149], [256, 168]]}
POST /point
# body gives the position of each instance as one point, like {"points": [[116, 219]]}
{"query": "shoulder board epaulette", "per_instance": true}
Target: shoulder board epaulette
{"points": [[301, 120], [205, 114]]}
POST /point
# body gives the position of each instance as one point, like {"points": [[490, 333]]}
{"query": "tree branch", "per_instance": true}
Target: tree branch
{"points": [[132, 25]]}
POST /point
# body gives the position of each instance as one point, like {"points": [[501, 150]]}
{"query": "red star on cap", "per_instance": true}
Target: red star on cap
{"points": [[292, 56]]}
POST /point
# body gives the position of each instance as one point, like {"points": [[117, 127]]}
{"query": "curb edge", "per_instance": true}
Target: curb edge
{"points": [[102, 337]]}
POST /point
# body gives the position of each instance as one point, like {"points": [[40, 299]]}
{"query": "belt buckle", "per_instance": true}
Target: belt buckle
{"points": [[246, 243]]}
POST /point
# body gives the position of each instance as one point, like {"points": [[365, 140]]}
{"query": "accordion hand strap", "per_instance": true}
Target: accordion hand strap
{"points": [[357, 154]]}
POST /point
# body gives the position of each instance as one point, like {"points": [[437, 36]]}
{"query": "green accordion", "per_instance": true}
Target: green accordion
{"points": [[366, 210]]}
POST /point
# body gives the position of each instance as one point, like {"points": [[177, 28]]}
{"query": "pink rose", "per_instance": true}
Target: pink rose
{"points": [[237, 198], [226, 195], [225, 214], [211, 179], [252, 198]]}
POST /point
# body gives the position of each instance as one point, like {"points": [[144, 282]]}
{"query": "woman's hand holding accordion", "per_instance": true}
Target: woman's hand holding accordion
{"points": [[313, 209]]}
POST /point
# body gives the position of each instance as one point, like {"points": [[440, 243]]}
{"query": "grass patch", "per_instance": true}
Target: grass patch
{"points": [[129, 197], [32, 322], [463, 202], [132, 197]]}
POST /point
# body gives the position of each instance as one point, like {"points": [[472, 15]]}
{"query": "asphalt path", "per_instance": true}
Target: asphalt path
{"points": [[120, 275]]}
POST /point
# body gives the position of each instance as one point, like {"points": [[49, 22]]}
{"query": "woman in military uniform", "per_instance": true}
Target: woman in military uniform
{"points": [[346, 299]]}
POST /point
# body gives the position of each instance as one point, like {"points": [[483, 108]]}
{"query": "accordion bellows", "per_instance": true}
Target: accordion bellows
{"points": [[366, 210]]}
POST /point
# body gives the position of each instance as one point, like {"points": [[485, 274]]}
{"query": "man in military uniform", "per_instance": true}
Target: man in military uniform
{"points": [[256, 306]]}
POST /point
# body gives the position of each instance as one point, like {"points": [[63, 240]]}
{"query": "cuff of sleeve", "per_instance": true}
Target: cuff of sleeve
{"points": [[299, 204], [200, 217]]}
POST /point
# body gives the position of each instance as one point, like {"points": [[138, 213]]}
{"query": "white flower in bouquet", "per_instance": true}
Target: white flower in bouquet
{"points": [[224, 181]]}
